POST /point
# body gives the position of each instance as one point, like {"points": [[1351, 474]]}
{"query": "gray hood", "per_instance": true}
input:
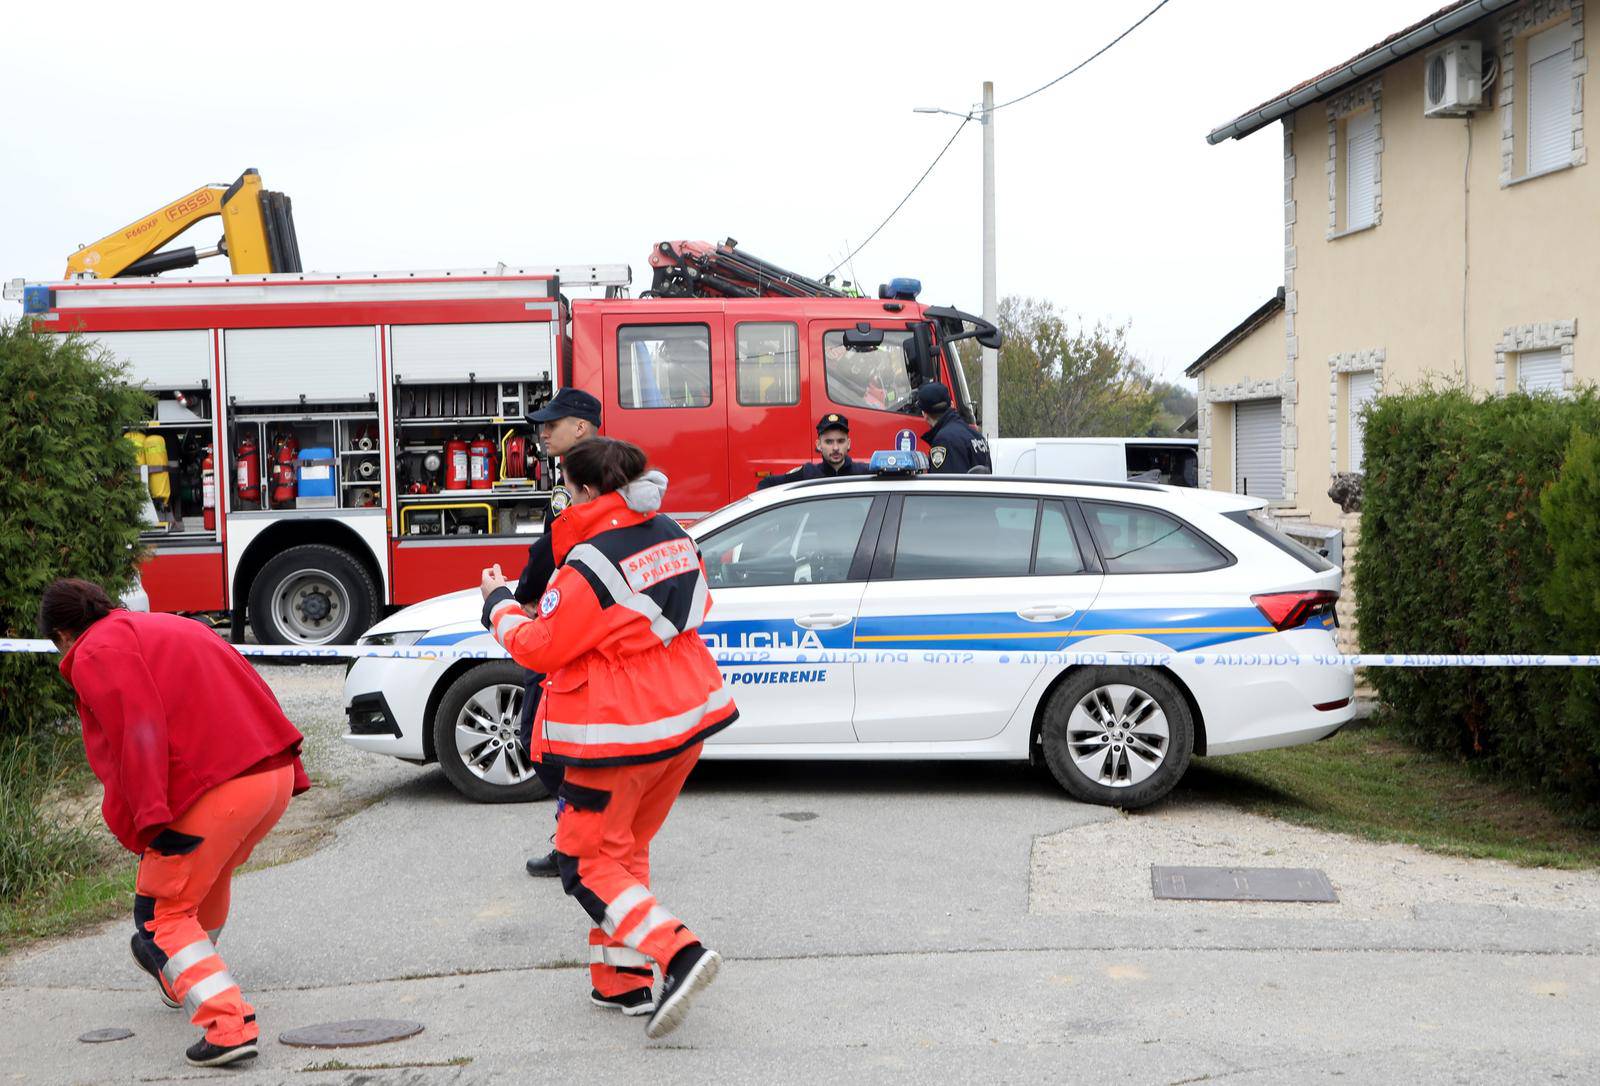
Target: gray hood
{"points": [[645, 494]]}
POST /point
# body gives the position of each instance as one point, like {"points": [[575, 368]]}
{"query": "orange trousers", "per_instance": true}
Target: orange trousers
{"points": [[603, 851], [183, 890]]}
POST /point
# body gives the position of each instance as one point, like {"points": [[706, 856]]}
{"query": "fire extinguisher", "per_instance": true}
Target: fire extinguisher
{"points": [[456, 465], [482, 463], [208, 490], [248, 484], [285, 485]]}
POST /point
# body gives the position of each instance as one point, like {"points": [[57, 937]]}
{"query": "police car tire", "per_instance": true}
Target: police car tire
{"points": [[468, 683], [1058, 759]]}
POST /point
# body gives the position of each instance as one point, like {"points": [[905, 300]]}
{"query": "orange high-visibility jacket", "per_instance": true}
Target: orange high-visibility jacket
{"points": [[628, 678]]}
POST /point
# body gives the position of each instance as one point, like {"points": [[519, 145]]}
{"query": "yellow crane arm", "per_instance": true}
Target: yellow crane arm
{"points": [[257, 234]]}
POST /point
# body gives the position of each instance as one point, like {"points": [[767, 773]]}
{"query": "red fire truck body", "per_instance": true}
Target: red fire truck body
{"points": [[370, 431]]}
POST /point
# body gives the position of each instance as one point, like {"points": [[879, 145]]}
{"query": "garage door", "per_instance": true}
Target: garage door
{"points": [[1258, 448]]}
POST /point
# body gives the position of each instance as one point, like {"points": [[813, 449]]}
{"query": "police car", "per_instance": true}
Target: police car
{"points": [[913, 616]]}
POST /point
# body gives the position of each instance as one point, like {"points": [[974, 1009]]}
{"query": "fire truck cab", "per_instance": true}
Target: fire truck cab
{"points": [[339, 444]]}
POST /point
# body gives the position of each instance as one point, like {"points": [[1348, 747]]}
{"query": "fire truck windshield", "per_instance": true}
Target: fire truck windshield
{"points": [[881, 378]]}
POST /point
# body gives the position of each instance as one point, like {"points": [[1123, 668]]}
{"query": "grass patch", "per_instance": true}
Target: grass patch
{"points": [[1370, 783]]}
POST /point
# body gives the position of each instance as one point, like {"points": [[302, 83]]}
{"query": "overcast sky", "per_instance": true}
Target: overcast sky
{"points": [[431, 136]]}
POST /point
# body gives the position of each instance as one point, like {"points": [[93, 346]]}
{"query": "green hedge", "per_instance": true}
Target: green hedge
{"points": [[1481, 534], [70, 495]]}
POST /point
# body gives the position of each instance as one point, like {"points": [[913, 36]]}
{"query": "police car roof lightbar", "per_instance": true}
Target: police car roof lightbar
{"points": [[898, 462]]}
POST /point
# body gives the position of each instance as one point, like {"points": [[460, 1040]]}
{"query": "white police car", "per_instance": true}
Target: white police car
{"points": [[954, 592]]}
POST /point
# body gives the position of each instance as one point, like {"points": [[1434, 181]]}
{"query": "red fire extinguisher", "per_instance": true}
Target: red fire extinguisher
{"points": [[482, 463], [456, 465], [248, 483], [285, 485], [208, 490]]}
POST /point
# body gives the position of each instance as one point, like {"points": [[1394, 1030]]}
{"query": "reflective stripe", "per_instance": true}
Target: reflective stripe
{"points": [[626, 902], [210, 988], [193, 954], [656, 917], [619, 956], [507, 617], [649, 731], [697, 607], [589, 556]]}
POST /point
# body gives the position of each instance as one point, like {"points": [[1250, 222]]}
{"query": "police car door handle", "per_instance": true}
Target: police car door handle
{"points": [[824, 621], [1047, 612]]}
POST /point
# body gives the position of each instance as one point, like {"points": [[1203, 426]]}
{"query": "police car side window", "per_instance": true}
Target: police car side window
{"points": [[1133, 539], [949, 535], [1058, 549], [811, 542]]}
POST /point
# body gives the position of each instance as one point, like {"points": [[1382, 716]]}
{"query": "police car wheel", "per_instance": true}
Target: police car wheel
{"points": [[1117, 736], [475, 736]]}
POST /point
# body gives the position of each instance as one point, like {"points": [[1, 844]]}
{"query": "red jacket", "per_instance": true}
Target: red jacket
{"points": [[169, 712], [629, 679]]}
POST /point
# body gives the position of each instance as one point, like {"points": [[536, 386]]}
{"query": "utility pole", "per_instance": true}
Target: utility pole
{"points": [[991, 305]]}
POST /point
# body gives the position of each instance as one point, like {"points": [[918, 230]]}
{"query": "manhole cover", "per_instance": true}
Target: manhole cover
{"points": [[351, 1034], [799, 816], [101, 1036], [1241, 884]]}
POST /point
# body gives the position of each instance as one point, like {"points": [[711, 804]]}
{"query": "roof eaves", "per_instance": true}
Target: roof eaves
{"points": [[1222, 346]]}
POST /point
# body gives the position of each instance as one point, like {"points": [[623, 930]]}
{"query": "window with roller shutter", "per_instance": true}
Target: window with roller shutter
{"points": [[1548, 123], [1539, 371], [1362, 389], [1361, 170], [1258, 448]]}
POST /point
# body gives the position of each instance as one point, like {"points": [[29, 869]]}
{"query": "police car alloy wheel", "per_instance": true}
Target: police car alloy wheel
{"points": [[475, 736], [1118, 736]]}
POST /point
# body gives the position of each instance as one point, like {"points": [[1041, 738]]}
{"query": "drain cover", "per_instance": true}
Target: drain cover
{"points": [[101, 1036], [351, 1034], [1241, 884]]}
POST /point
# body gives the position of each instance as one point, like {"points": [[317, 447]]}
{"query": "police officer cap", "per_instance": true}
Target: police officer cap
{"points": [[932, 397], [569, 403], [832, 421]]}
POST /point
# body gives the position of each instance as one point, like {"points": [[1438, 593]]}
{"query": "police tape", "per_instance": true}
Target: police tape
{"points": [[952, 657]]}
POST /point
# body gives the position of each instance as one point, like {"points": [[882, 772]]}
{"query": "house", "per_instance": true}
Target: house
{"points": [[1440, 224]]}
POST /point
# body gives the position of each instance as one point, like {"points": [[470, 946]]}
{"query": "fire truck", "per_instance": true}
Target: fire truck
{"points": [[338, 444]]}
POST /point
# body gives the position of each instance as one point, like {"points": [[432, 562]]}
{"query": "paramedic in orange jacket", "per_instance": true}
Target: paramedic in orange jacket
{"points": [[198, 763], [631, 694]]}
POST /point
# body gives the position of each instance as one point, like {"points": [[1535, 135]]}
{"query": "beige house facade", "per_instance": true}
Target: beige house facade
{"points": [[1458, 248]]}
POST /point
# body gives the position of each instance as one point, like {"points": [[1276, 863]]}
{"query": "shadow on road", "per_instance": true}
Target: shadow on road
{"points": [[873, 778]]}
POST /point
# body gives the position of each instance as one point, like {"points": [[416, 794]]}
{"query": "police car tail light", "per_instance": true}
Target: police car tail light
{"points": [[1287, 610]]}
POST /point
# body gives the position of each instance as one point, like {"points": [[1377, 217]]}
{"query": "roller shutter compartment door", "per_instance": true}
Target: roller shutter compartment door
{"points": [[158, 360], [1258, 448], [302, 365], [520, 351]]}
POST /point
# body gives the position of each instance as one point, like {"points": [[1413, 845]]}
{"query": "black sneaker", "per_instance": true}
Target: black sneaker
{"points": [[634, 1003], [690, 970], [142, 959], [544, 867], [205, 1054]]}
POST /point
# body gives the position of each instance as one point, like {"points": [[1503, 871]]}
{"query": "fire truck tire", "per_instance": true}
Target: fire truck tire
{"points": [[312, 595], [475, 736]]}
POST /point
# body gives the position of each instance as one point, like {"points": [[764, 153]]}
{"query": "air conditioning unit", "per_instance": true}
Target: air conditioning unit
{"points": [[1453, 80]]}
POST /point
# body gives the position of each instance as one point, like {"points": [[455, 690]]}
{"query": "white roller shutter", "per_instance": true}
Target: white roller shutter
{"points": [[1363, 388], [1539, 371], [1550, 99], [1258, 448], [473, 352], [295, 365], [162, 359], [1361, 170]]}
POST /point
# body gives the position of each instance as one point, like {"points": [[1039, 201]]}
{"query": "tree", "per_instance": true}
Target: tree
{"points": [[1057, 381], [72, 496]]}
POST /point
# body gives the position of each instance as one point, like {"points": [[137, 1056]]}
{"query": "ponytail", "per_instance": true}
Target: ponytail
{"points": [[72, 606]]}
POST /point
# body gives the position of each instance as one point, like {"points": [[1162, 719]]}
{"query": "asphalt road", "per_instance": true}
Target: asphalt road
{"points": [[880, 923]]}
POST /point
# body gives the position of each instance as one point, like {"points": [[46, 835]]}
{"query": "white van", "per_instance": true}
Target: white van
{"points": [[1173, 460]]}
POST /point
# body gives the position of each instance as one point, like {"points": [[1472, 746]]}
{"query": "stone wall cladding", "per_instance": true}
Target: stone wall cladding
{"points": [[1348, 636], [1339, 107], [1540, 336], [1368, 361], [1518, 22]]}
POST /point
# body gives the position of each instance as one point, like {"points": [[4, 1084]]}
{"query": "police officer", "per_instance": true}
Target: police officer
{"points": [[571, 416], [954, 447], [833, 443]]}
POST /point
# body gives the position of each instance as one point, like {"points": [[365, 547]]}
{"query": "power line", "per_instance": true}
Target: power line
{"points": [[964, 121], [1085, 63]]}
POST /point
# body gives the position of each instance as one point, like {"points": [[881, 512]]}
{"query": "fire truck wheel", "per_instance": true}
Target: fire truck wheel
{"points": [[475, 736], [312, 595]]}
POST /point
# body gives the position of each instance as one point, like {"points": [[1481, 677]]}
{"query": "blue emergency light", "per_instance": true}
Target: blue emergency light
{"points": [[900, 290], [37, 299], [898, 462]]}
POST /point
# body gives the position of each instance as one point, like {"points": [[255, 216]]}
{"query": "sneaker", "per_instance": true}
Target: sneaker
{"points": [[690, 970], [543, 867], [634, 1003], [205, 1054], [143, 961]]}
